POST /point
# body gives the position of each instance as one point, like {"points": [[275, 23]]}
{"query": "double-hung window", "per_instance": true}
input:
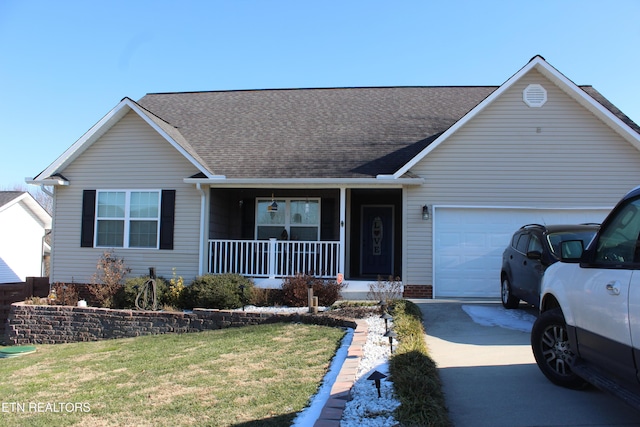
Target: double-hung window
{"points": [[127, 218], [294, 219]]}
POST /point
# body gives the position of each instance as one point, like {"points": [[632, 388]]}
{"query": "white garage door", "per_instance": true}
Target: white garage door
{"points": [[468, 244]]}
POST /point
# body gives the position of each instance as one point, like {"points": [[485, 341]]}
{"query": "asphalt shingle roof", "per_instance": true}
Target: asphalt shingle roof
{"points": [[8, 196], [315, 133], [319, 133]]}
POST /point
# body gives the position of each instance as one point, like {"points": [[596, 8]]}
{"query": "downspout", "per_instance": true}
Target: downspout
{"points": [[45, 191], [201, 248]]}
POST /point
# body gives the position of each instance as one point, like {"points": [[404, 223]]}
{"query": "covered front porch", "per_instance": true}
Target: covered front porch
{"points": [[351, 234]]}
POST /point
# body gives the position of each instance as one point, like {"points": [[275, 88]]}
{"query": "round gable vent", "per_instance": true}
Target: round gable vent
{"points": [[534, 95]]}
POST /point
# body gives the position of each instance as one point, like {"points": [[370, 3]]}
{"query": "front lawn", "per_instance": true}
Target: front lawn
{"points": [[251, 376]]}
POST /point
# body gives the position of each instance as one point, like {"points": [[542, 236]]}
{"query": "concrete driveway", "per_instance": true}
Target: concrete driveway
{"points": [[490, 377]]}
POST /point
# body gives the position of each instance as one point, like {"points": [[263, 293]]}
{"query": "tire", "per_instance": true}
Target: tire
{"points": [[508, 299], [550, 344]]}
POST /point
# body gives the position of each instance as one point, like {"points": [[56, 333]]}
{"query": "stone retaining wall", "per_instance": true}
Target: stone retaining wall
{"points": [[44, 324]]}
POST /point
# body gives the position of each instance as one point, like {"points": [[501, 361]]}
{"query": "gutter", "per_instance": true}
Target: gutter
{"points": [[381, 181]]}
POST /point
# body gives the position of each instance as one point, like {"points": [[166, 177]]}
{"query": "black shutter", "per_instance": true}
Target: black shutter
{"points": [[88, 218], [167, 216]]}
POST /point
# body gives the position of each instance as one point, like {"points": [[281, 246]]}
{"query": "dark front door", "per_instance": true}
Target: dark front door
{"points": [[376, 256]]}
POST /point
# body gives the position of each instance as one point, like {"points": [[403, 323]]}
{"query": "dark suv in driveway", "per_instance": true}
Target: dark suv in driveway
{"points": [[533, 248]]}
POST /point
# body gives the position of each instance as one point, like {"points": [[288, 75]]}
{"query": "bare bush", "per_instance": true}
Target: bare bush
{"points": [[108, 279], [385, 290]]}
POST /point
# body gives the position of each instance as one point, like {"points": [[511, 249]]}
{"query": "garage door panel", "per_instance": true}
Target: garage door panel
{"points": [[468, 244]]}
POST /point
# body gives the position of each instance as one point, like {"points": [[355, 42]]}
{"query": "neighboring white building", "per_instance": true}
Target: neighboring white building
{"points": [[23, 226]]}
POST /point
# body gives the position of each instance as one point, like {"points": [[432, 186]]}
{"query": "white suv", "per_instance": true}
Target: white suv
{"points": [[588, 330]]}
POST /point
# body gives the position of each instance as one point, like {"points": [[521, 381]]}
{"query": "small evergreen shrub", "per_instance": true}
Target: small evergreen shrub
{"points": [[221, 291], [295, 290]]}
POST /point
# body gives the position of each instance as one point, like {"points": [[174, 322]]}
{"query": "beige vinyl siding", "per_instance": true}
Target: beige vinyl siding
{"points": [[130, 156], [511, 155]]}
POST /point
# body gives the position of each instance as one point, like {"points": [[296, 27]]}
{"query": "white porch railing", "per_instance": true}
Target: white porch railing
{"points": [[274, 258]]}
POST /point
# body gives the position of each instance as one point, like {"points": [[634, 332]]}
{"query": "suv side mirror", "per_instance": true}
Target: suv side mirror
{"points": [[571, 250]]}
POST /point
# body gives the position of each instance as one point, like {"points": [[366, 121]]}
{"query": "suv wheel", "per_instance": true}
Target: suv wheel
{"points": [[508, 300], [550, 343]]}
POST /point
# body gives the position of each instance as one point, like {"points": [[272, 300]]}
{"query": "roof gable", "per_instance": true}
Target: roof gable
{"points": [[587, 97], [331, 133], [9, 199], [169, 133]]}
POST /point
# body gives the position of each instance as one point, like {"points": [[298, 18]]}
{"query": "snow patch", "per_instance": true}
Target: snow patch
{"points": [[518, 320]]}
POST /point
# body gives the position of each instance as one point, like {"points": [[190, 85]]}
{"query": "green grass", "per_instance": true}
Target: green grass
{"points": [[251, 376]]}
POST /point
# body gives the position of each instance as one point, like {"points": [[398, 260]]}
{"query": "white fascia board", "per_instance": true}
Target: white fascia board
{"points": [[28, 202], [584, 99], [99, 129], [47, 181], [169, 139], [85, 141], [471, 114], [557, 78], [305, 182]]}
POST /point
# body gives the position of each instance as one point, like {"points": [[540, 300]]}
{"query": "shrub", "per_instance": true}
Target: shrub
{"points": [[221, 291], [266, 297], [295, 290], [108, 279], [65, 294], [173, 296], [126, 297], [385, 290]]}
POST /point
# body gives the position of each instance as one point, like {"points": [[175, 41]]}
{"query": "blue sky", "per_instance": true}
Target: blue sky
{"points": [[64, 64]]}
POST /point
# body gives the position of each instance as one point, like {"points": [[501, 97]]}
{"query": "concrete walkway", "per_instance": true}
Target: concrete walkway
{"points": [[340, 392], [490, 377]]}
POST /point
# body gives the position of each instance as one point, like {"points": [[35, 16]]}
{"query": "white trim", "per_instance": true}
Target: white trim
{"points": [[169, 139], [434, 216], [557, 78], [33, 205], [306, 182], [99, 129], [127, 219], [203, 250], [288, 224]]}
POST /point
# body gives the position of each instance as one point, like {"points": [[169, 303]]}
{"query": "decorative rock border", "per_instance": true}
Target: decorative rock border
{"points": [[51, 324]]}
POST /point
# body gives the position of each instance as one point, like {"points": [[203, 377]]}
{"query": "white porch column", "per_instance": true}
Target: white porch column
{"points": [[204, 227], [343, 229], [272, 257]]}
